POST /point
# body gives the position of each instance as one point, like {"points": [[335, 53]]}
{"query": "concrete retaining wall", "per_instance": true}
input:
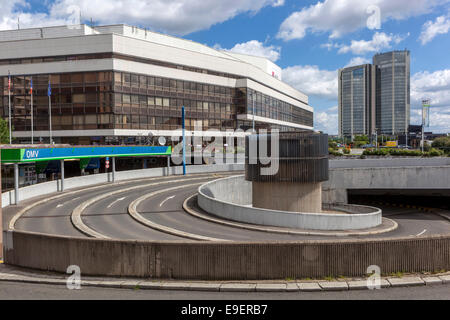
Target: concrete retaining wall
{"points": [[399, 178], [84, 181], [226, 261], [230, 198]]}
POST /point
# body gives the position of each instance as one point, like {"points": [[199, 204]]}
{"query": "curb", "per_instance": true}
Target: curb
{"points": [[254, 286], [199, 215]]}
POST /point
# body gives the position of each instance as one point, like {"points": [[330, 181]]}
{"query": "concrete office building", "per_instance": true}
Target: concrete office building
{"points": [[375, 97], [118, 84], [392, 92], [356, 101]]}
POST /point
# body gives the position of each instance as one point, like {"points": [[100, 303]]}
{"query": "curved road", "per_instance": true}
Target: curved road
{"points": [[109, 216]]}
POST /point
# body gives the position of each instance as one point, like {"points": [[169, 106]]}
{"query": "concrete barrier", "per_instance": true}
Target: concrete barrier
{"points": [[84, 181], [226, 260], [231, 198]]}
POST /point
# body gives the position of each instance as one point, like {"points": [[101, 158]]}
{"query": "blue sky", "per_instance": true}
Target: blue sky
{"points": [[309, 40]]}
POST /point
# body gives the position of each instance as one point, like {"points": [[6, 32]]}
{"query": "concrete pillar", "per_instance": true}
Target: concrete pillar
{"points": [[168, 165], [288, 196], [16, 183], [113, 159], [62, 175], [1, 215]]}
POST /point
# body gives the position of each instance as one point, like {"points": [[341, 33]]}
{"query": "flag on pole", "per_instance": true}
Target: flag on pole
{"points": [[9, 81], [49, 91], [31, 86]]}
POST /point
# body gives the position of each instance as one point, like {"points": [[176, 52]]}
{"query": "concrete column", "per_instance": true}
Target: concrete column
{"points": [[288, 196], [113, 160], [168, 165], [1, 215], [16, 183], [62, 175]]}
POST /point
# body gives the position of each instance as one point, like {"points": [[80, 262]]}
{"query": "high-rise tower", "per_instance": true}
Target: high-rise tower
{"points": [[392, 91]]}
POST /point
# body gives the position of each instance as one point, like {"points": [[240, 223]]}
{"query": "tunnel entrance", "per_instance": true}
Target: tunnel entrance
{"points": [[431, 198]]}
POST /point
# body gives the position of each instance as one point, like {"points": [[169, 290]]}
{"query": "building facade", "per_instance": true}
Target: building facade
{"points": [[120, 84], [375, 97], [356, 101], [392, 92]]}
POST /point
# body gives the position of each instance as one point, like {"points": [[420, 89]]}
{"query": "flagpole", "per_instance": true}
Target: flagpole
{"points": [[49, 93], [32, 122], [9, 107]]}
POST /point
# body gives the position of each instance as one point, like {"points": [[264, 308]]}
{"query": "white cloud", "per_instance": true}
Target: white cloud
{"points": [[436, 87], [327, 121], [439, 119], [312, 81], [431, 29], [339, 17], [172, 16], [380, 41], [356, 61], [255, 48], [13, 10]]}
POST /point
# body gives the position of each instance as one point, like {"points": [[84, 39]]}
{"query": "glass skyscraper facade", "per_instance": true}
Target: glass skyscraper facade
{"points": [[375, 97], [356, 101], [392, 92]]}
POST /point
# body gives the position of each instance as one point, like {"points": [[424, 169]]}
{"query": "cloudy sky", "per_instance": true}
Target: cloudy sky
{"points": [[309, 40]]}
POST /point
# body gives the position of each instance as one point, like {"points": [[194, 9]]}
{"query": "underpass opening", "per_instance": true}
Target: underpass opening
{"points": [[428, 198]]}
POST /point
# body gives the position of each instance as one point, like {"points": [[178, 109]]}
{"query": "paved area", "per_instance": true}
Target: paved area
{"points": [[109, 216], [22, 275], [14, 291]]}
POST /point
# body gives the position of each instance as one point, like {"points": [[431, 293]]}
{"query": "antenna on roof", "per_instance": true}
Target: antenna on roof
{"points": [[18, 22], [92, 23]]}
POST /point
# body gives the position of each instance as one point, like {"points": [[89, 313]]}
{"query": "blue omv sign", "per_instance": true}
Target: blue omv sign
{"points": [[47, 154]]}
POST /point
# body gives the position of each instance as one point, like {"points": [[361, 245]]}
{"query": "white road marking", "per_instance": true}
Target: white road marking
{"points": [[421, 233], [62, 204], [114, 202], [168, 198]]}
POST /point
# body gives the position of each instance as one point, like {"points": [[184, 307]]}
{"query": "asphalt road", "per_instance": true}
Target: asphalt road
{"points": [[24, 291], [109, 216]]}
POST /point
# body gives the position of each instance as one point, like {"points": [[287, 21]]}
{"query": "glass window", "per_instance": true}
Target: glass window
{"points": [[77, 78], [158, 101], [90, 119], [166, 102], [90, 77], [151, 101], [150, 81], [126, 98], [79, 98]]}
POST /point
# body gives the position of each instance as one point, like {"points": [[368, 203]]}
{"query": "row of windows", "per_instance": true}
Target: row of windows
{"points": [[110, 121], [92, 93]]}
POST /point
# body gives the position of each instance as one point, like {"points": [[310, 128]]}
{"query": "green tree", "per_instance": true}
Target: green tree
{"points": [[441, 143], [4, 131]]}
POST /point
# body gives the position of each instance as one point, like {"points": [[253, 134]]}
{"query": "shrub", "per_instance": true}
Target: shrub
{"points": [[346, 151]]}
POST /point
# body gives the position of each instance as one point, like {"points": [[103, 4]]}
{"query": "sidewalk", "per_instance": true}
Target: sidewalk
{"points": [[11, 274]]}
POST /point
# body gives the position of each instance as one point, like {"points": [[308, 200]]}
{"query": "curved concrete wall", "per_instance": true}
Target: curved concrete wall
{"points": [[226, 260], [230, 198], [84, 181]]}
